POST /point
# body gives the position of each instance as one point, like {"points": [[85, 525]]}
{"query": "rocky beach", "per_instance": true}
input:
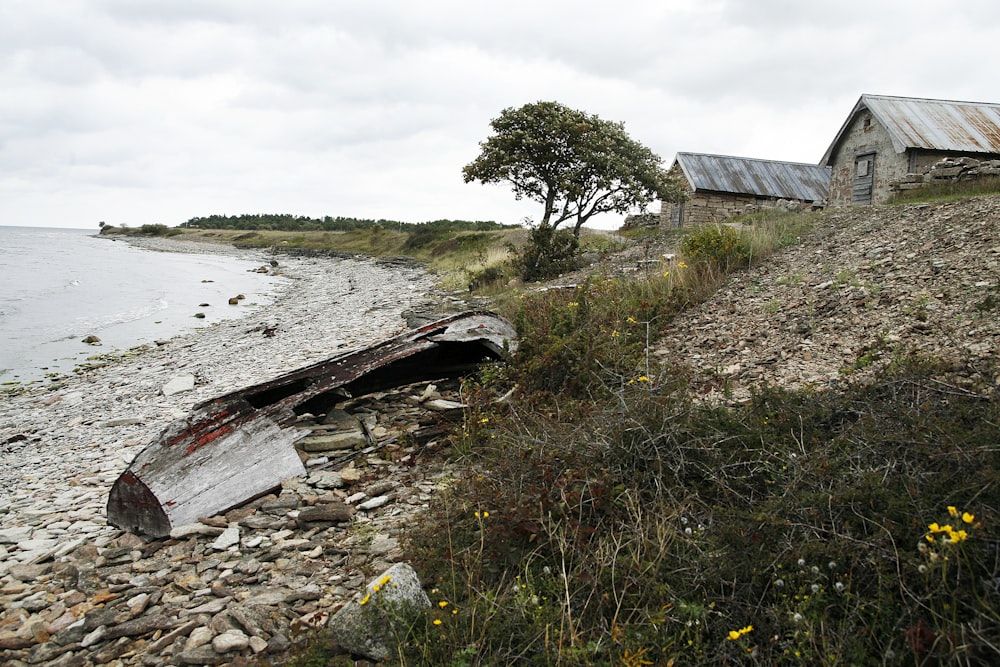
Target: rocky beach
{"points": [[77, 591]]}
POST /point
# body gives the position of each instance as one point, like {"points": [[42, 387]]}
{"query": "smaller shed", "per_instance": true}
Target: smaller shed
{"points": [[885, 138], [721, 186]]}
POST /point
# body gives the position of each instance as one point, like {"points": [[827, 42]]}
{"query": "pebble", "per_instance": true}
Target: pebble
{"points": [[74, 590], [768, 327]]}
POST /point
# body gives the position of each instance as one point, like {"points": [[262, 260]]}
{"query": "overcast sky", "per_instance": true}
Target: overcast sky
{"points": [[156, 111]]}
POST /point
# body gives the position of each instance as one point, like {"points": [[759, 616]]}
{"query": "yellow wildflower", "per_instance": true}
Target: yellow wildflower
{"points": [[438, 621], [968, 518], [615, 334], [952, 511], [365, 599], [736, 634], [631, 320], [682, 265], [666, 274], [443, 604]]}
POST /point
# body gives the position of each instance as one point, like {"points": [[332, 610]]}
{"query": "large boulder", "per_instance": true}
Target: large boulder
{"points": [[366, 626]]}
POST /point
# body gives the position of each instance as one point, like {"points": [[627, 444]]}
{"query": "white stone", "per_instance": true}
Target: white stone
{"points": [[374, 503], [326, 479], [187, 530], [231, 640], [15, 534], [229, 537], [93, 637], [198, 637], [37, 544], [178, 384]]}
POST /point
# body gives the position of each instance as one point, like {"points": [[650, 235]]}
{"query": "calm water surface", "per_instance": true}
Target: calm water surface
{"points": [[58, 286]]}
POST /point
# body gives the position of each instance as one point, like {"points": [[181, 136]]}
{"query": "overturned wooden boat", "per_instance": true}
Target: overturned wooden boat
{"points": [[240, 445]]}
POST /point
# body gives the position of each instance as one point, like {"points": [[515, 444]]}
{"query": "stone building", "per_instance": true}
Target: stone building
{"points": [[720, 186], [885, 138]]}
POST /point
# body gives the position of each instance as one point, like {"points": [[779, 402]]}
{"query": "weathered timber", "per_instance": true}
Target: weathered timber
{"points": [[235, 447]]}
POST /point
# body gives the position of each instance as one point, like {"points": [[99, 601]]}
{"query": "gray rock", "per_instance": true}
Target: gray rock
{"points": [[332, 442], [367, 630], [326, 479], [15, 534], [335, 512], [124, 421], [203, 655], [29, 572], [142, 626]]}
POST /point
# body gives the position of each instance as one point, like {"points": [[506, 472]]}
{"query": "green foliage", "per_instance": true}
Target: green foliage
{"points": [[647, 524], [158, 230], [142, 230], [719, 245], [575, 164], [577, 341], [300, 223], [548, 253]]}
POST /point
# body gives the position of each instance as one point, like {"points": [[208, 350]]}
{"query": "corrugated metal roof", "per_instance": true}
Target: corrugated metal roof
{"points": [[749, 176], [940, 125]]}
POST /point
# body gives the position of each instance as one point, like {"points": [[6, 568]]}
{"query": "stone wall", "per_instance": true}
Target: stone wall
{"points": [[712, 208], [708, 207], [865, 135], [948, 169]]}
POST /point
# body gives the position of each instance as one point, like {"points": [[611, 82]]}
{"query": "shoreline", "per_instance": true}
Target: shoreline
{"points": [[156, 304], [327, 307], [64, 444]]}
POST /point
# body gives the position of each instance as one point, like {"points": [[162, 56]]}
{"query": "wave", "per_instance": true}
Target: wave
{"points": [[85, 326]]}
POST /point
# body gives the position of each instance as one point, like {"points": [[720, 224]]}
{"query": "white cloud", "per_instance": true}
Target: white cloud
{"points": [[167, 109]]}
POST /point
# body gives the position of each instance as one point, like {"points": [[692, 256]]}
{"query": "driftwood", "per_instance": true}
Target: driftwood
{"points": [[238, 446]]}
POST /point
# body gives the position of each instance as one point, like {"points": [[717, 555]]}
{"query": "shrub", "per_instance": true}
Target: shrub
{"points": [[720, 245], [157, 230], [652, 525], [548, 253]]}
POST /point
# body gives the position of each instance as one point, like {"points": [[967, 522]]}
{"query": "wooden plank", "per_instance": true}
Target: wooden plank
{"points": [[237, 446]]}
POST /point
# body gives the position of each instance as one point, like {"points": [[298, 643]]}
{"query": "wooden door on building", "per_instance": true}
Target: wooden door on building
{"points": [[677, 214], [864, 179]]}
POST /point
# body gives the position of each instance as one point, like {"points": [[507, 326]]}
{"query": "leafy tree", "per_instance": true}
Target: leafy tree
{"points": [[573, 163]]}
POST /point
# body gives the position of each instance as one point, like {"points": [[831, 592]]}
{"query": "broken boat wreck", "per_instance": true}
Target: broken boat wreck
{"points": [[238, 446]]}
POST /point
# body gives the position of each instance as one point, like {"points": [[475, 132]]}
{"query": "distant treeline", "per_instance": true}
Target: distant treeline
{"points": [[294, 223]]}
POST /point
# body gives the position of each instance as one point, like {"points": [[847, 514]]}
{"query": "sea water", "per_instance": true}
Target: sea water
{"points": [[59, 286]]}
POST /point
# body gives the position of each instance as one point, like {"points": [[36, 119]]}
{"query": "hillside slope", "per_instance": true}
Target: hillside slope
{"points": [[867, 285]]}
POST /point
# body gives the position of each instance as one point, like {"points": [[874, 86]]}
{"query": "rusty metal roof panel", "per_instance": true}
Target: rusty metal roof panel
{"points": [[942, 125], [759, 178], [938, 125]]}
